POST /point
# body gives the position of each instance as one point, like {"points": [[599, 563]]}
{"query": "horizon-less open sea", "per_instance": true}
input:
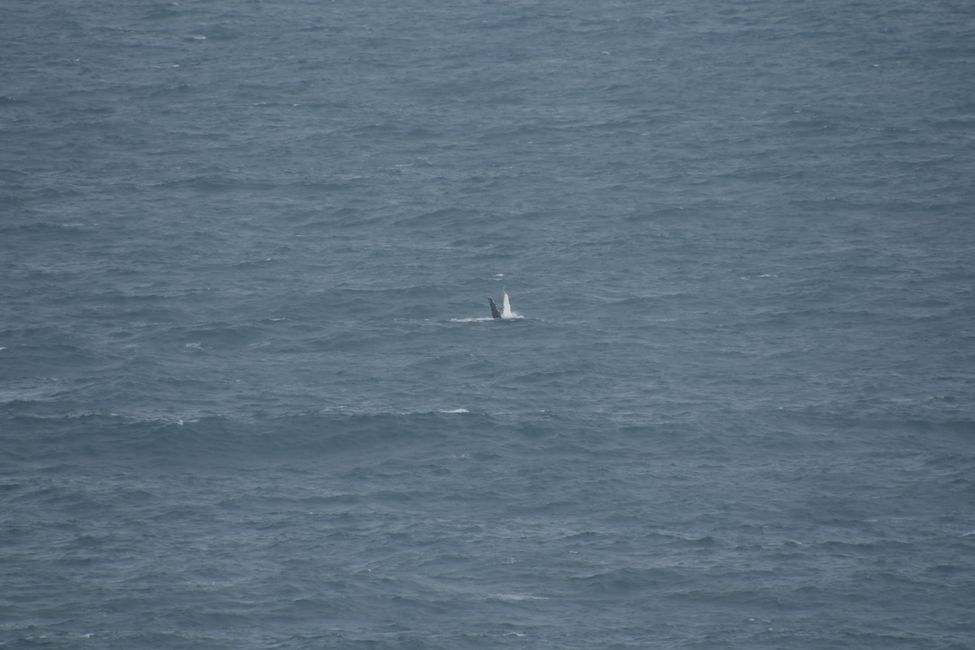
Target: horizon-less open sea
{"points": [[251, 395]]}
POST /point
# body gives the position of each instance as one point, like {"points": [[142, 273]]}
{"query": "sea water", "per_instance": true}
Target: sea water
{"points": [[251, 395]]}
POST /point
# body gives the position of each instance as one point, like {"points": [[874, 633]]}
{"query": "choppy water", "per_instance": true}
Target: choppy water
{"points": [[250, 396]]}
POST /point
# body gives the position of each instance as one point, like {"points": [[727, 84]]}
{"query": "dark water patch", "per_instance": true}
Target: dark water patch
{"points": [[631, 581]]}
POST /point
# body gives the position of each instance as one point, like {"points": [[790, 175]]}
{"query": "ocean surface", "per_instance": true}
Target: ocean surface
{"points": [[251, 395]]}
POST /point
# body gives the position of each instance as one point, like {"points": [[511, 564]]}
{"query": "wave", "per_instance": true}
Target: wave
{"points": [[514, 598], [214, 437], [48, 228]]}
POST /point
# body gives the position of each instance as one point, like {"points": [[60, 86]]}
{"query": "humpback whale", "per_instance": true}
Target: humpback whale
{"points": [[505, 311]]}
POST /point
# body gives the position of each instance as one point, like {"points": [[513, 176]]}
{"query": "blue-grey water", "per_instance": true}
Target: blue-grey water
{"points": [[251, 395]]}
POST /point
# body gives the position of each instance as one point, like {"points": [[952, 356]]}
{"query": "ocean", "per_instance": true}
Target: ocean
{"points": [[252, 396]]}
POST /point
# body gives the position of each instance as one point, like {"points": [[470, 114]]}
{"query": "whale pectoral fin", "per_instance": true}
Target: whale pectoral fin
{"points": [[495, 312]]}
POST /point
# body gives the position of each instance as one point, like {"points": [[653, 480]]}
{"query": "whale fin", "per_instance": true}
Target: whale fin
{"points": [[505, 306], [495, 313]]}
